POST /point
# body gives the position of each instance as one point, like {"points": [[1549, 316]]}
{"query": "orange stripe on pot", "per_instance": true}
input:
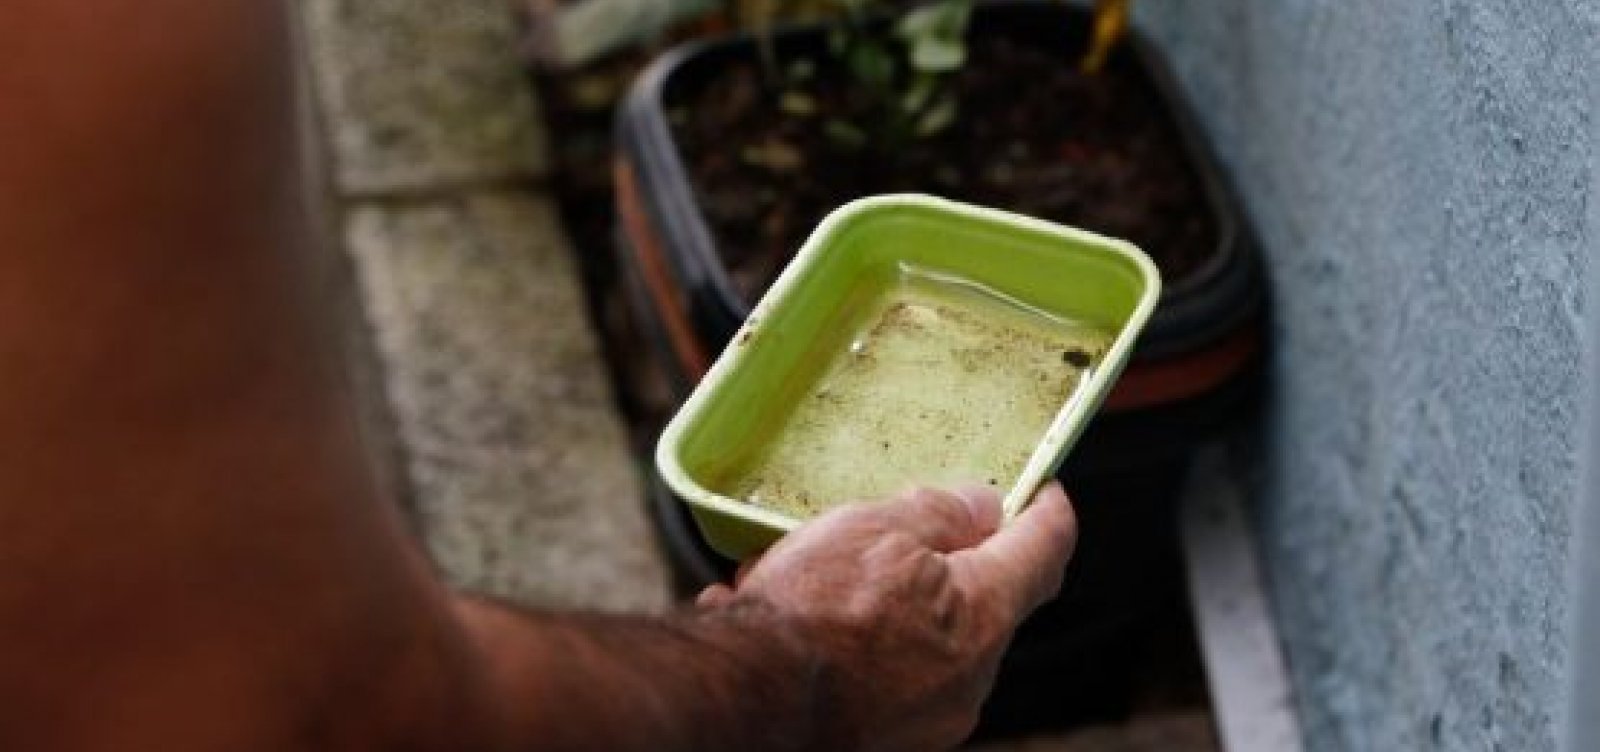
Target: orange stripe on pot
{"points": [[1145, 384], [668, 299]]}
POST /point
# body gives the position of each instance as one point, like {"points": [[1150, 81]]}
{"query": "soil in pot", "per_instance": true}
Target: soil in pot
{"points": [[1034, 136]]}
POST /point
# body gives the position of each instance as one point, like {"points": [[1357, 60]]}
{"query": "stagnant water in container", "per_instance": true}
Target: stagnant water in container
{"points": [[942, 382]]}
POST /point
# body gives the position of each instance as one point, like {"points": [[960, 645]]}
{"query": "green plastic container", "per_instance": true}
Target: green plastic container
{"points": [[862, 247]]}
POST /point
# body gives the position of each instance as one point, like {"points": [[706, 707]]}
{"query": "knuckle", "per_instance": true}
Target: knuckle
{"points": [[853, 516], [892, 544], [844, 512], [919, 493], [926, 495], [941, 504]]}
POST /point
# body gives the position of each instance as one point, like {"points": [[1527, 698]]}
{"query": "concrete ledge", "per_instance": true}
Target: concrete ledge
{"points": [[417, 93], [523, 485]]}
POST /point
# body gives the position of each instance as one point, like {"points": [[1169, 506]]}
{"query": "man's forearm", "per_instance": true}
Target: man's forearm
{"points": [[736, 678]]}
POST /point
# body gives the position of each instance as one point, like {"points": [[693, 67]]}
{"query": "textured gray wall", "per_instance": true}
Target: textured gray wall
{"points": [[1421, 182]]}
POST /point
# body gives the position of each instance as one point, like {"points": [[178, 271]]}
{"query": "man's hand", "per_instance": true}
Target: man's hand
{"points": [[908, 605]]}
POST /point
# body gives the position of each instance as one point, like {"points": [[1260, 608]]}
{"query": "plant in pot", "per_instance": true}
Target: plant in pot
{"points": [[730, 150]]}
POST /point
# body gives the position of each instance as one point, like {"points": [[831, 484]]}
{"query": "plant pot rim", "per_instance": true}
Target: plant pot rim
{"points": [[1230, 272]]}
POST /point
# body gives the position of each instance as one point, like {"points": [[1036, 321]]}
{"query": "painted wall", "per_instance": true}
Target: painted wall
{"points": [[1422, 182]]}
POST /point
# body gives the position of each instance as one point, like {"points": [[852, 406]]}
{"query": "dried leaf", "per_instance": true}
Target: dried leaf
{"points": [[1110, 22], [798, 104], [777, 156]]}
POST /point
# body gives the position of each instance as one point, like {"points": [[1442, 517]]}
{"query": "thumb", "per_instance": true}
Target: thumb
{"points": [[715, 596], [1026, 558]]}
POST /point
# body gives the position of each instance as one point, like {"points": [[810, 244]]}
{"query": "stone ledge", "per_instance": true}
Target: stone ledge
{"points": [[524, 487], [419, 93]]}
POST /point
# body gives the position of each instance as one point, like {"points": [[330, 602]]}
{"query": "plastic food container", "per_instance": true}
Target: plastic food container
{"points": [[858, 250]]}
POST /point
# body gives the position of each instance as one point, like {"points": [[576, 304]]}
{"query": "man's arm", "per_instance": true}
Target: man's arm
{"points": [[193, 553], [878, 626]]}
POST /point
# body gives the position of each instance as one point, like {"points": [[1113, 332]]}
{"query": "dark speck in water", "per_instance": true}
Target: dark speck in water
{"points": [[1075, 358]]}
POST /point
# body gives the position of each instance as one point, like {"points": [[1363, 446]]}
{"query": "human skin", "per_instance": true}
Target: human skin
{"points": [[193, 554]]}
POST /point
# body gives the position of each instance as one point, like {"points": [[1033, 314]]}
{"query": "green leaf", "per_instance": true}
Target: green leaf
{"points": [[947, 18], [855, 7], [920, 22], [921, 91], [844, 134], [936, 55], [838, 41], [871, 64], [937, 118], [960, 15], [802, 69]]}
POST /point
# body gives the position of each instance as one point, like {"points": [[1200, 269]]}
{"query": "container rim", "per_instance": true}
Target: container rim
{"points": [[1048, 453]]}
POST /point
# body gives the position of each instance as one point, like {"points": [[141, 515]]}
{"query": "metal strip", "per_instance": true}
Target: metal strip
{"points": [[1582, 731], [1583, 708], [1252, 697]]}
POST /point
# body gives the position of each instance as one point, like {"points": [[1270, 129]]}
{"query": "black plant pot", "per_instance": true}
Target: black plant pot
{"points": [[1194, 371], [1210, 311]]}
